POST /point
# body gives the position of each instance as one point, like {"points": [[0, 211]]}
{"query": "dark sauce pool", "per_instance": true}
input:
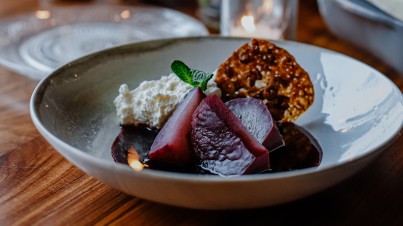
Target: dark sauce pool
{"points": [[301, 150]]}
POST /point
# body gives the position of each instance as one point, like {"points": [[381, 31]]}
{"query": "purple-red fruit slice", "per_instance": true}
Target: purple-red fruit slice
{"points": [[257, 119], [172, 143], [224, 146]]}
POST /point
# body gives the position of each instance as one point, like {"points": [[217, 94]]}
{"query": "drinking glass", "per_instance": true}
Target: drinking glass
{"points": [[270, 19]]}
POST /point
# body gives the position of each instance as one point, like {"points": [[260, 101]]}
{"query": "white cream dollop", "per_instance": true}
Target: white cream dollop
{"points": [[153, 102]]}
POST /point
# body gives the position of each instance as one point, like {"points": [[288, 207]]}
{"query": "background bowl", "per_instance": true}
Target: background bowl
{"points": [[356, 112], [366, 26]]}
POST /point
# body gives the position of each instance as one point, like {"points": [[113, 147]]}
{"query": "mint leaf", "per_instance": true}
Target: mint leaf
{"points": [[194, 77], [182, 71], [200, 78]]}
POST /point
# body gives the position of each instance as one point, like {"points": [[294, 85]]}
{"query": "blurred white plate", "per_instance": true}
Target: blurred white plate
{"points": [[35, 44]]}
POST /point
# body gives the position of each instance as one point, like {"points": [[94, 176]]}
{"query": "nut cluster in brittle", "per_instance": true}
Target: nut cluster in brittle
{"points": [[265, 71]]}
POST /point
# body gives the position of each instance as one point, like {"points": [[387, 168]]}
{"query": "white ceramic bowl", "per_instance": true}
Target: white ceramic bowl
{"points": [[356, 113], [366, 26]]}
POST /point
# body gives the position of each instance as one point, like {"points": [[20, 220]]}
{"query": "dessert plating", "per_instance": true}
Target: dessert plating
{"points": [[247, 130]]}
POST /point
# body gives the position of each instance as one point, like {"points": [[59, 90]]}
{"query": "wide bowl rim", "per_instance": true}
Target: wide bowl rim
{"points": [[122, 168]]}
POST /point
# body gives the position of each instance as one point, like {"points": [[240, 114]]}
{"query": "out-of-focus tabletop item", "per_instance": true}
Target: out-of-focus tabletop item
{"points": [[209, 12], [270, 19], [391, 7], [367, 26], [34, 44]]}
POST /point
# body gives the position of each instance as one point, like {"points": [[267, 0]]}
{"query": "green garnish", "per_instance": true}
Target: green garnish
{"points": [[194, 77]]}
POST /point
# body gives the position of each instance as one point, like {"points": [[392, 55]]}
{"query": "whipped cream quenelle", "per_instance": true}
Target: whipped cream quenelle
{"points": [[153, 102]]}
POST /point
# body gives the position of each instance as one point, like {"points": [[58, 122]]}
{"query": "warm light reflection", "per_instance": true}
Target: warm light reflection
{"points": [[125, 14], [133, 159], [136, 165], [42, 14], [248, 23]]}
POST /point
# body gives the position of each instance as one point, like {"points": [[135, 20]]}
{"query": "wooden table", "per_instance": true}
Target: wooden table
{"points": [[38, 186]]}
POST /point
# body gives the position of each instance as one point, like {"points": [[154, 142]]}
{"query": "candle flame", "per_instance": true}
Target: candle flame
{"points": [[42, 14], [133, 159], [125, 14], [248, 23]]}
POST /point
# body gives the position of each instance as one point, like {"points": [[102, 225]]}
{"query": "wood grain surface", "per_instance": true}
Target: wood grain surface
{"points": [[39, 187]]}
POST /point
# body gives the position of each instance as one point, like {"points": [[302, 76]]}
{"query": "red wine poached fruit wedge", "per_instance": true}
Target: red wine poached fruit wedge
{"points": [[223, 145], [257, 119], [172, 143]]}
